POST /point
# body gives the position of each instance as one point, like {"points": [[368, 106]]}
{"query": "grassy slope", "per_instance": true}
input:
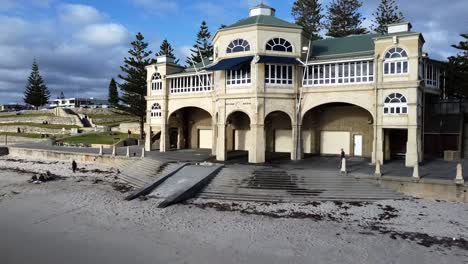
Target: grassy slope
{"points": [[97, 138], [26, 115], [52, 126], [26, 135]]}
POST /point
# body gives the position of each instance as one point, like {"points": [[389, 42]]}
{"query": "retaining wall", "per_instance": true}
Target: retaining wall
{"points": [[66, 156], [429, 188]]}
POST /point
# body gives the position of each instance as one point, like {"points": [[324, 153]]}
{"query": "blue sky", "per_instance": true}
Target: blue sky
{"points": [[81, 44]]}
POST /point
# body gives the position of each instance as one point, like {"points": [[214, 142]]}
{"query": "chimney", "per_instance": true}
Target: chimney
{"points": [[399, 27]]}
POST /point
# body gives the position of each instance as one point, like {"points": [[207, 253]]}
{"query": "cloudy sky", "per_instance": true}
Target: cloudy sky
{"points": [[80, 44]]}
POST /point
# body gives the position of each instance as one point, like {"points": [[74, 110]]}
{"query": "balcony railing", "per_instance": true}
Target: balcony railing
{"points": [[195, 83]]}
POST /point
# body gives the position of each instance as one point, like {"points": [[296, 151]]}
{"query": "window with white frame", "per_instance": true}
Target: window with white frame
{"points": [[156, 82], [395, 103], [396, 61], [278, 74], [279, 44], [238, 45], [340, 73], [431, 74], [202, 82], [239, 77], [156, 110]]}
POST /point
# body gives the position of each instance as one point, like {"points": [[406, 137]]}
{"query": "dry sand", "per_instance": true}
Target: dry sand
{"points": [[79, 219]]}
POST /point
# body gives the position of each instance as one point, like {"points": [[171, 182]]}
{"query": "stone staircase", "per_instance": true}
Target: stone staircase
{"points": [[138, 173], [267, 184]]}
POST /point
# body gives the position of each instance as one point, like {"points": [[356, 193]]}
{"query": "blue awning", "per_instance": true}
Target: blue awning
{"points": [[230, 64], [278, 60]]}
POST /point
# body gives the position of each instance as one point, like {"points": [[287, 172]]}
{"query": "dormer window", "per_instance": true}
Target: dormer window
{"points": [[396, 61], [238, 45], [279, 44]]}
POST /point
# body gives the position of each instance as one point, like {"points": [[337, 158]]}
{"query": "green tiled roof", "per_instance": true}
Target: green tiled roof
{"points": [[359, 45], [351, 46], [263, 21]]}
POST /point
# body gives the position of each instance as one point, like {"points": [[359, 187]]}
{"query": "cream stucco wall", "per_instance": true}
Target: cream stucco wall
{"points": [[257, 100]]}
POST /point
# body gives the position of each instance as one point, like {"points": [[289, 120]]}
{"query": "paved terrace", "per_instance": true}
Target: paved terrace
{"points": [[360, 167]]}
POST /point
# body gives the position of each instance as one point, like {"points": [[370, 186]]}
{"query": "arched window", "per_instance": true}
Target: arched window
{"points": [[238, 45], [279, 44], [156, 82], [396, 61], [395, 103], [156, 110]]}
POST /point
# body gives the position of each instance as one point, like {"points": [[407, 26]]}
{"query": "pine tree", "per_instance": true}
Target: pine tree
{"points": [[344, 18], [113, 93], [387, 13], [308, 14], [203, 44], [36, 92], [166, 49], [457, 71], [134, 80]]}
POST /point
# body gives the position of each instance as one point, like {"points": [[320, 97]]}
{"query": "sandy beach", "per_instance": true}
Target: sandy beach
{"points": [[82, 218]]}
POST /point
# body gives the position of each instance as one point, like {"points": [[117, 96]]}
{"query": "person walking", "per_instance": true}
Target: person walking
{"points": [[342, 156], [74, 166]]}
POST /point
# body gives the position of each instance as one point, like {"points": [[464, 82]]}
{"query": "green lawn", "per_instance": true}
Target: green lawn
{"points": [[26, 115], [112, 120], [26, 135], [52, 126], [107, 138]]}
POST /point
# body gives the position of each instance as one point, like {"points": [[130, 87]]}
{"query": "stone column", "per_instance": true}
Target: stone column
{"points": [[148, 138], [221, 142], [214, 131], [180, 138], [164, 140], [378, 145], [412, 149], [298, 150], [257, 143]]}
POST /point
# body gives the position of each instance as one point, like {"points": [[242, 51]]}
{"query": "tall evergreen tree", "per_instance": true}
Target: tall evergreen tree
{"points": [[113, 93], [344, 18], [457, 71], [134, 80], [203, 44], [387, 13], [36, 92], [166, 49], [308, 14]]}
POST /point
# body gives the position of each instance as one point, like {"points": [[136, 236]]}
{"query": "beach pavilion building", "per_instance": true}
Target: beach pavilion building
{"points": [[269, 89]]}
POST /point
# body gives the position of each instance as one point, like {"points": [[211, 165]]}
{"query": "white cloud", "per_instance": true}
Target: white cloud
{"points": [[182, 53], [76, 14], [103, 34], [157, 7], [72, 58]]}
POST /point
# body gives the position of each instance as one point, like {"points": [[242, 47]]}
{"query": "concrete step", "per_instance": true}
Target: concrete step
{"points": [[276, 185]]}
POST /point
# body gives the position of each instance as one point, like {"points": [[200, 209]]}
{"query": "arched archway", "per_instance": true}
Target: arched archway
{"points": [[328, 128], [278, 135], [190, 128], [237, 135]]}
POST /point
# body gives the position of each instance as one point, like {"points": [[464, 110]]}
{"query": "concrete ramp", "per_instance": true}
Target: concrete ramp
{"points": [[185, 183]]}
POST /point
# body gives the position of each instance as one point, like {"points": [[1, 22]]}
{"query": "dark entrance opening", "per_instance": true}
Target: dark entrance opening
{"points": [[395, 144]]}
